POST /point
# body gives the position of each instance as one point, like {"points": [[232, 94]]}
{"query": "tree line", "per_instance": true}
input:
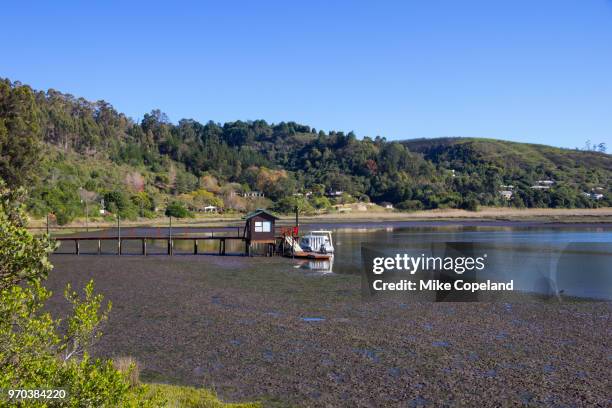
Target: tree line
{"points": [[280, 160]]}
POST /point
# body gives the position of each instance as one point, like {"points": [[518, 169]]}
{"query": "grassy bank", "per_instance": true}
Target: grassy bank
{"points": [[190, 397]]}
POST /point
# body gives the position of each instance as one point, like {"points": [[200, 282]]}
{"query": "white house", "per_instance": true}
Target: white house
{"points": [[211, 208], [594, 196], [543, 184], [546, 182], [335, 193]]}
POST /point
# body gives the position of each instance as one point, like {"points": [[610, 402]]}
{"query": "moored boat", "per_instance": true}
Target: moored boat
{"points": [[318, 241]]}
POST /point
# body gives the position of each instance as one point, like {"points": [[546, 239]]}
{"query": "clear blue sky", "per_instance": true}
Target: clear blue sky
{"points": [[525, 70]]}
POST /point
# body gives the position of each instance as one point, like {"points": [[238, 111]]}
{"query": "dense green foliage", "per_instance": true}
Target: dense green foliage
{"points": [[93, 152], [19, 133]]}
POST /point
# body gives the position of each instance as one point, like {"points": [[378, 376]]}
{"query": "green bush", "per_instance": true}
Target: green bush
{"points": [[62, 200], [321, 203], [410, 205], [118, 202], [470, 204], [178, 210]]}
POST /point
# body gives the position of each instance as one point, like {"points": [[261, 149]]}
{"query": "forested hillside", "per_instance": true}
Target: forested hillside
{"points": [[85, 151]]}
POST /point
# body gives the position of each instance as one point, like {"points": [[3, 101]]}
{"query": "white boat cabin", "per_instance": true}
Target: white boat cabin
{"points": [[317, 241]]}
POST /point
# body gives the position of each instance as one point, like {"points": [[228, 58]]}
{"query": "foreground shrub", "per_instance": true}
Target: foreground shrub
{"points": [[39, 352], [34, 355]]}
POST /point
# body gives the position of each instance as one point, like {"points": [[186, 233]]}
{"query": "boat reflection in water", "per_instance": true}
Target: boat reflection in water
{"points": [[323, 266]]}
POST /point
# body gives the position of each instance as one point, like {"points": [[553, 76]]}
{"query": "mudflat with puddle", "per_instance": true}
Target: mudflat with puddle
{"points": [[260, 329]]}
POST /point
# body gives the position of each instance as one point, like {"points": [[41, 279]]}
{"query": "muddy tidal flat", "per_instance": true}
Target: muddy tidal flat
{"points": [[261, 329]]}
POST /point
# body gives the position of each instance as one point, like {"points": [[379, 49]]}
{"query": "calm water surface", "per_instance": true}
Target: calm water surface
{"points": [[577, 261]]}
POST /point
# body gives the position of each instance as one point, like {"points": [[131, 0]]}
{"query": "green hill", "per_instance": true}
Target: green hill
{"points": [[69, 152], [509, 154]]}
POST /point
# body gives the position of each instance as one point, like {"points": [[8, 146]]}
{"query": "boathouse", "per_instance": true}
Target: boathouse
{"points": [[259, 229], [259, 226]]}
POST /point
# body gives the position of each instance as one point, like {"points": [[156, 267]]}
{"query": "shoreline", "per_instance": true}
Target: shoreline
{"points": [[486, 216]]}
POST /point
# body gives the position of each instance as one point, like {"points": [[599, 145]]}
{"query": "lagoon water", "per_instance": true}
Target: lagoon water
{"points": [[571, 260], [574, 261]]}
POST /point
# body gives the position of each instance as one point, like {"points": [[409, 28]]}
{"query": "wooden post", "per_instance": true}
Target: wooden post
{"points": [[99, 246], [144, 246], [195, 246], [223, 247], [76, 246], [170, 243], [118, 235]]}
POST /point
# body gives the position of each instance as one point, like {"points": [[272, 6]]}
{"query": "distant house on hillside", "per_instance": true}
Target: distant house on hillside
{"points": [[211, 208], [506, 194], [594, 196], [304, 194], [253, 194], [387, 205], [335, 193], [543, 184], [546, 182]]}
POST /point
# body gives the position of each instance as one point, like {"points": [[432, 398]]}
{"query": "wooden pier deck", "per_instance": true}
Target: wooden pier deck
{"points": [[222, 235]]}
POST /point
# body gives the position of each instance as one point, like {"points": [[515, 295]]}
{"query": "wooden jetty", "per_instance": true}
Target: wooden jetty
{"points": [[144, 240], [259, 229]]}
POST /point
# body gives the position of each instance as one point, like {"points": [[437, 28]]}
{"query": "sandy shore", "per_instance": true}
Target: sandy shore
{"points": [[544, 215], [238, 325]]}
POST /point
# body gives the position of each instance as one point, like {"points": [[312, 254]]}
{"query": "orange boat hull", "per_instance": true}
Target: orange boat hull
{"points": [[310, 255]]}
